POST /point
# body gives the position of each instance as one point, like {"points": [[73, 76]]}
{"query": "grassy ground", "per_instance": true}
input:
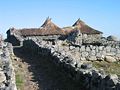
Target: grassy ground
{"points": [[19, 81], [19, 73], [41, 74], [112, 68]]}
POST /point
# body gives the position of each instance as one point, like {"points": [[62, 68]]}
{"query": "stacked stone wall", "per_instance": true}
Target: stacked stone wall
{"points": [[7, 74], [84, 74]]}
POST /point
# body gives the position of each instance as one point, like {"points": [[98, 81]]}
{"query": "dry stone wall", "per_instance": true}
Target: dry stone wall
{"points": [[91, 52], [7, 74], [87, 76], [108, 50]]}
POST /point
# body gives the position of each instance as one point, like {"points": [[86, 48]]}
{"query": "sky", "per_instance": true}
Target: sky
{"points": [[103, 15]]}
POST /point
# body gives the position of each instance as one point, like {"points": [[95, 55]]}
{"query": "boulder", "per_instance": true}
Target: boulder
{"points": [[2, 77], [110, 59], [2, 86], [92, 58]]}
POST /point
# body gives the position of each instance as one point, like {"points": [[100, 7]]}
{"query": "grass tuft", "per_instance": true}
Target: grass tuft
{"points": [[109, 68]]}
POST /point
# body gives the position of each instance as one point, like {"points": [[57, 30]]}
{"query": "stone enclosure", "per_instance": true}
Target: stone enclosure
{"points": [[69, 47], [87, 76]]}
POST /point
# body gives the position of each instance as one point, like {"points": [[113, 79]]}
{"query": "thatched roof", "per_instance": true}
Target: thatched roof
{"points": [[84, 28], [68, 29], [48, 28], [30, 31]]}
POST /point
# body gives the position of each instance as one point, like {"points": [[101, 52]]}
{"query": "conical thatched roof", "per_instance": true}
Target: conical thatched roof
{"points": [[84, 28], [48, 28]]}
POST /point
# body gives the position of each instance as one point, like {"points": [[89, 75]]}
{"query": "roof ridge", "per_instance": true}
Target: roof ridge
{"points": [[47, 21], [79, 22]]}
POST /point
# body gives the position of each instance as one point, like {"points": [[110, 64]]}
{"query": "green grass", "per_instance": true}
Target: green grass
{"points": [[19, 81], [109, 68], [19, 74]]}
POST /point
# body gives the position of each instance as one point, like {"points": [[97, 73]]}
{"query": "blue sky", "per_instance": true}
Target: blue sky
{"points": [[103, 15]]}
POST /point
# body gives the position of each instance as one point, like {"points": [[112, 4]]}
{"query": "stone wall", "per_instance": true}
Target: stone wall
{"points": [[91, 38], [7, 74], [69, 57], [91, 52], [77, 36], [84, 74], [50, 37], [109, 51]]}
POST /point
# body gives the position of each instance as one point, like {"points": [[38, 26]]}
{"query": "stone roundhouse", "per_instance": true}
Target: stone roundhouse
{"points": [[51, 32]]}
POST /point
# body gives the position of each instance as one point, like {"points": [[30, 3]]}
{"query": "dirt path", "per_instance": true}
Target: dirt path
{"points": [[25, 78], [40, 74]]}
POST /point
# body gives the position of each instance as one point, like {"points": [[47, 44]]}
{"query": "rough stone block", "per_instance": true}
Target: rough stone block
{"points": [[2, 77], [82, 48], [100, 48], [88, 49], [111, 54], [118, 51], [86, 66], [97, 50], [94, 47], [93, 53], [83, 59], [118, 55], [84, 54], [110, 59], [71, 47], [108, 48], [111, 80], [92, 58], [113, 50], [91, 47]]}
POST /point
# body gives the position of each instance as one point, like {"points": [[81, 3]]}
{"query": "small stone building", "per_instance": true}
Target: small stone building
{"points": [[48, 31], [78, 33], [88, 34]]}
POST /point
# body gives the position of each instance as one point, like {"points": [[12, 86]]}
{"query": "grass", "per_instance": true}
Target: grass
{"points": [[109, 68], [19, 81], [19, 74]]}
